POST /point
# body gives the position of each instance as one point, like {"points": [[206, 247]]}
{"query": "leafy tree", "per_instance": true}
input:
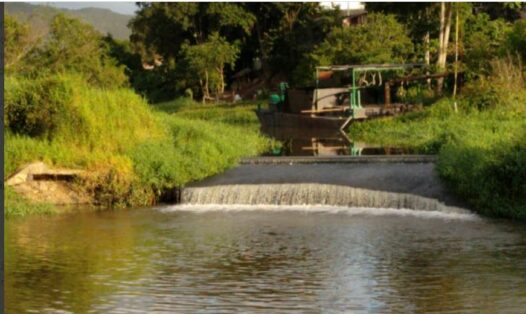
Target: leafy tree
{"points": [[484, 40], [162, 33], [420, 19], [161, 29], [73, 46], [298, 28], [509, 11], [19, 41], [381, 40], [208, 61], [516, 39]]}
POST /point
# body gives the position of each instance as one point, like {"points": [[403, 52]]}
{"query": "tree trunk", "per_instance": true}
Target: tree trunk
{"points": [[222, 80], [456, 51], [206, 90], [443, 40], [427, 56]]}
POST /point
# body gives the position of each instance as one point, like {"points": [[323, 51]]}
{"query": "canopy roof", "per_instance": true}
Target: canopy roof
{"points": [[369, 67]]}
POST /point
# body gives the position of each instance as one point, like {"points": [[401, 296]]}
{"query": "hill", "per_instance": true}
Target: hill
{"points": [[104, 20]]}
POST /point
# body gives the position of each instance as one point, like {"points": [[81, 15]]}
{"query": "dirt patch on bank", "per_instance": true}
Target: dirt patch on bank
{"points": [[41, 183]]}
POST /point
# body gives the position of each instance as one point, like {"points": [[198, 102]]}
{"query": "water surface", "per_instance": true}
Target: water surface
{"points": [[205, 259], [323, 142]]}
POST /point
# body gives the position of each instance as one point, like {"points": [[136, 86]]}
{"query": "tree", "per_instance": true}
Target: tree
{"points": [[483, 40], [516, 39], [381, 40], [161, 29], [162, 33], [443, 40], [73, 46], [208, 61], [19, 41], [296, 30]]}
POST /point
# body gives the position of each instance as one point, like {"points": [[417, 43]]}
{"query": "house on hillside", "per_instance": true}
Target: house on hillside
{"points": [[150, 65], [354, 17]]}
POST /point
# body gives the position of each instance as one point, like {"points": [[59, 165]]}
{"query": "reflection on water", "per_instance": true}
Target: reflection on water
{"points": [[322, 142], [258, 261]]}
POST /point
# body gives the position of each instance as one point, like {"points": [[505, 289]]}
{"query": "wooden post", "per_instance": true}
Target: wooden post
{"points": [[387, 95]]}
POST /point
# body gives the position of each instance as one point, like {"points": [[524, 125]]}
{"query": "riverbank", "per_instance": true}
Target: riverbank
{"points": [[131, 150], [481, 150]]}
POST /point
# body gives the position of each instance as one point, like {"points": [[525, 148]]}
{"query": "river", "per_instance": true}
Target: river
{"points": [[265, 259]]}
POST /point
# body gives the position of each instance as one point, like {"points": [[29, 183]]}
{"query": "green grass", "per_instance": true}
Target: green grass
{"points": [[133, 151], [17, 205], [236, 114], [481, 153]]}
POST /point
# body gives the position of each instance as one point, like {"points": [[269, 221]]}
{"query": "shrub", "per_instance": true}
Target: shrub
{"points": [[35, 107], [516, 39]]}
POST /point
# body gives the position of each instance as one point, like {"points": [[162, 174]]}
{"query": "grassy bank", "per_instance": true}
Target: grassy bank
{"points": [[481, 148], [132, 151], [241, 114]]}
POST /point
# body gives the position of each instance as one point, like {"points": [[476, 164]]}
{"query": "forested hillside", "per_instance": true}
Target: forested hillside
{"points": [[103, 20]]}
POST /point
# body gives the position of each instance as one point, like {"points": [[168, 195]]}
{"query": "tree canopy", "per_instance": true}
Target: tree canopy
{"points": [[177, 47]]}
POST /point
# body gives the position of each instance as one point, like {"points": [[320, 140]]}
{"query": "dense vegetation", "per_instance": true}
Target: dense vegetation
{"points": [[79, 99], [481, 144], [69, 116], [133, 153]]}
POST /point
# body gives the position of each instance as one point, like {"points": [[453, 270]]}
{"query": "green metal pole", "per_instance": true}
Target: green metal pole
{"points": [[359, 99], [353, 98]]}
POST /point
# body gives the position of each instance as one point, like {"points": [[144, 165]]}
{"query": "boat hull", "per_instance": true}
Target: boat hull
{"points": [[291, 120]]}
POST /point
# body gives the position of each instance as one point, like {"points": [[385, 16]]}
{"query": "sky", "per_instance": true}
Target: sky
{"points": [[130, 7], [119, 7]]}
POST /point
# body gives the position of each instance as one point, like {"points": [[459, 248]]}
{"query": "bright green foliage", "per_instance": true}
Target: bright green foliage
{"points": [[481, 147], [132, 152], [17, 206], [490, 176], [223, 14], [35, 107], [241, 114], [76, 47], [483, 41], [197, 149], [63, 109], [381, 40], [207, 61], [17, 44]]}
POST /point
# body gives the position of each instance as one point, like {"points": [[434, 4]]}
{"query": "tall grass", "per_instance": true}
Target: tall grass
{"points": [[17, 205], [240, 114], [132, 152]]}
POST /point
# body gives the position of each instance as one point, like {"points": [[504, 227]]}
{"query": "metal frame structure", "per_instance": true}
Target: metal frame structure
{"points": [[354, 90]]}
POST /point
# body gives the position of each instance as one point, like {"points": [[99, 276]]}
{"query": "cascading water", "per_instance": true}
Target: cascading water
{"points": [[310, 194]]}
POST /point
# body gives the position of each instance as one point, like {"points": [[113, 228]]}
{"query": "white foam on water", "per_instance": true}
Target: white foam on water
{"points": [[320, 208]]}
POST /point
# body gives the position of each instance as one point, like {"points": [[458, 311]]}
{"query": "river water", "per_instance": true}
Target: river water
{"points": [[264, 259], [323, 142]]}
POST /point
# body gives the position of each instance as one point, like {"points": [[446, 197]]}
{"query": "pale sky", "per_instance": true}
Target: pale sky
{"points": [[130, 7], [344, 5], [119, 7]]}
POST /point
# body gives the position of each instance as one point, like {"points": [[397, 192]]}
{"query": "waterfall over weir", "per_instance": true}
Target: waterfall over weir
{"points": [[310, 194]]}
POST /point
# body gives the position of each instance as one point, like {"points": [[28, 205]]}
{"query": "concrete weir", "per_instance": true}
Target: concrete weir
{"points": [[409, 182]]}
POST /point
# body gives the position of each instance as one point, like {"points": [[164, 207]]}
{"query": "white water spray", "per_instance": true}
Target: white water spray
{"points": [[310, 197]]}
